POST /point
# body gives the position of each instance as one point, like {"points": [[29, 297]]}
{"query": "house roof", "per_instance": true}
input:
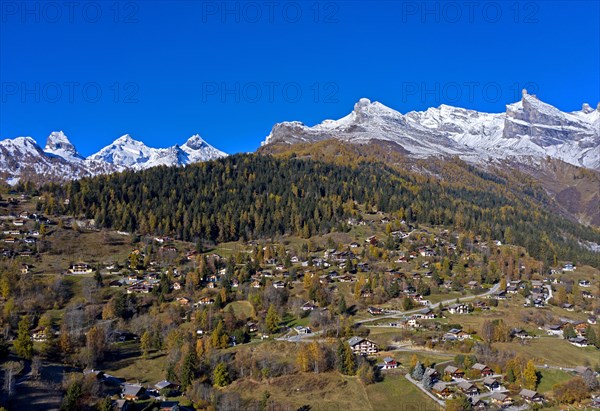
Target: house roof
{"points": [[525, 393], [355, 340], [131, 389], [489, 381], [479, 366], [465, 385], [450, 369], [476, 401], [163, 384], [169, 405], [89, 371], [499, 396], [388, 360], [439, 386]]}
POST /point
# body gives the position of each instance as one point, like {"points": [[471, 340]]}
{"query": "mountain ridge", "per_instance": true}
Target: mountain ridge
{"points": [[528, 132], [23, 157], [529, 128]]}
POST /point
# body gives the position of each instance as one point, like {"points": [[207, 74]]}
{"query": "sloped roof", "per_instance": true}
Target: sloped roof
{"points": [[163, 384], [528, 393], [489, 381], [465, 385], [479, 366], [355, 340], [131, 389], [499, 396]]}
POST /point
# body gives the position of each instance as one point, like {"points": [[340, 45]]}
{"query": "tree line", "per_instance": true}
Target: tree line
{"points": [[250, 196]]}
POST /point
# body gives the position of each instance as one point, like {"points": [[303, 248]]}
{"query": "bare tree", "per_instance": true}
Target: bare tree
{"points": [[11, 370]]}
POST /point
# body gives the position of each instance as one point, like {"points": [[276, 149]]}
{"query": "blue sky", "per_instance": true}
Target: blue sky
{"points": [[163, 71]]}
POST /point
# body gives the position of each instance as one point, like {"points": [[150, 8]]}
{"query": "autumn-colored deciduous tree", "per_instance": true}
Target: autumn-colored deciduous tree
{"points": [[218, 338], [530, 377], [23, 344], [413, 362], [146, 343], [366, 374], [95, 346], [573, 391], [317, 357], [272, 320], [303, 358], [200, 347], [221, 375], [312, 357]]}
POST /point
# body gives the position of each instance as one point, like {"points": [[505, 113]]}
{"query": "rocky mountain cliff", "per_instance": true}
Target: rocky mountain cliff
{"points": [[529, 130]]}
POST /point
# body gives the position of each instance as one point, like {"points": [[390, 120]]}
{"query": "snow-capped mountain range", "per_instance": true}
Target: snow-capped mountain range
{"points": [[527, 132], [529, 129], [22, 157]]}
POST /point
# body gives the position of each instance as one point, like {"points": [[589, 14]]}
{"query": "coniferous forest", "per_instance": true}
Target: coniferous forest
{"points": [[253, 196]]}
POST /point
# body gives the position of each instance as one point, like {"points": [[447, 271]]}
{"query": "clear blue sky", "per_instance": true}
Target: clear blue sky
{"points": [[162, 71]]}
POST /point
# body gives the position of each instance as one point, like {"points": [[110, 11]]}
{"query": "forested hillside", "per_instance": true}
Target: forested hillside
{"points": [[252, 196]]}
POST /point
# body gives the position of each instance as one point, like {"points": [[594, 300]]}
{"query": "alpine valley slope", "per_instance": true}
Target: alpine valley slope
{"points": [[23, 159], [530, 130]]}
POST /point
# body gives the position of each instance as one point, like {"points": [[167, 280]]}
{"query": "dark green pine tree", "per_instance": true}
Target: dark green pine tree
{"points": [[188, 369]]}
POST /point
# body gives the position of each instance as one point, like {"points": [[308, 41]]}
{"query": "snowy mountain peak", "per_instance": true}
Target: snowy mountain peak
{"points": [[196, 149], [365, 107], [22, 141], [59, 145], [58, 139], [528, 128], [361, 104], [195, 142], [125, 139], [22, 157]]}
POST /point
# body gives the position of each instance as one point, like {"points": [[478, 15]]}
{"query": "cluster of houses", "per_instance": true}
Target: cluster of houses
{"points": [[452, 380], [13, 234], [137, 285], [131, 393], [485, 390], [539, 294], [580, 329]]}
